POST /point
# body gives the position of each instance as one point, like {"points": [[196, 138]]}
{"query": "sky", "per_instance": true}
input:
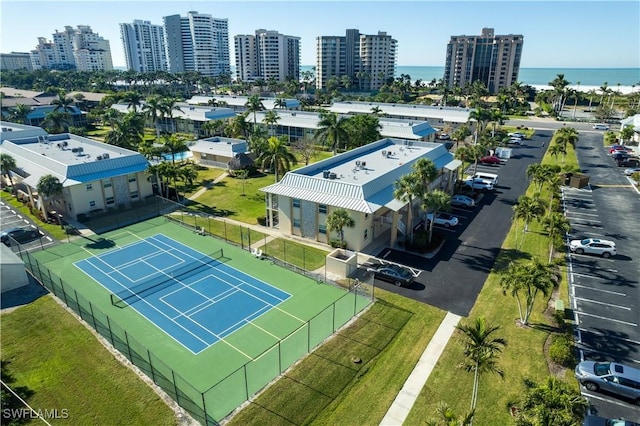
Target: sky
{"points": [[571, 34]]}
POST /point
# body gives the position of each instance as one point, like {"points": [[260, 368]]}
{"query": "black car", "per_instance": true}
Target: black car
{"points": [[395, 274], [619, 156], [629, 162], [21, 235]]}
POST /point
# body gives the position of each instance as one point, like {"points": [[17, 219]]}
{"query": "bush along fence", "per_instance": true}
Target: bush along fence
{"points": [[209, 406]]}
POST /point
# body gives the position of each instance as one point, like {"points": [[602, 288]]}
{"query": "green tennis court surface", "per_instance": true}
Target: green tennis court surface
{"points": [[229, 370]]}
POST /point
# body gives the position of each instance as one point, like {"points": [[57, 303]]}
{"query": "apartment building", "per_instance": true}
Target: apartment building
{"points": [[144, 48], [267, 55], [15, 61], [74, 48], [368, 60], [197, 42], [492, 59]]}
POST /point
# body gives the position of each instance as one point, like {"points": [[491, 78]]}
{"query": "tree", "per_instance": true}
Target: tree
{"points": [[277, 156], [481, 350], [280, 103], [270, 118], [306, 148], [406, 189], [362, 129], [527, 209], [551, 403], [525, 281], [239, 127], [556, 225], [339, 219], [155, 110], [626, 134], [241, 174], [56, 121], [539, 174], [254, 104], [49, 188], [435, 201], [426, 172], [20, 112], [174, 144], [448, 417], [7, 164], [559, 85], [331, 129], [557, 149], [63, 103], [133, 100]]}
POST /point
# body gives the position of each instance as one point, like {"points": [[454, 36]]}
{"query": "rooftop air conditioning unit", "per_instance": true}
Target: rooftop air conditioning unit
{"points": [[363, 163], [99, 157], [384, 153], [5, 129], [358, 163], [105, 156], [332, 175]]}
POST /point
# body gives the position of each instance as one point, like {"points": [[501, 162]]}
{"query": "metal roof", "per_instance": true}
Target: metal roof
{"points": [[240, 101], [447, 114], [189, 112], [362, 179]]}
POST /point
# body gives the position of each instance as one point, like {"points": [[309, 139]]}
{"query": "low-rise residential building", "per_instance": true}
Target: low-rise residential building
{"points": [[299, 124], [447, 118], [633, 121], [360, 181], [95, 177], [38, 114], [217, 151], [187, 119], [238, 103]]}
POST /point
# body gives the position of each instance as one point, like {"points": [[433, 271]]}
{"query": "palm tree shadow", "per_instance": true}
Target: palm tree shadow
{"points": [[101, 244]]}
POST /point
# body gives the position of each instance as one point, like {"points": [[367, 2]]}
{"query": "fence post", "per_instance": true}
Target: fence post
{"points": [[309, 336], [284, 251], [280, 356], [153, 376], [64, 293], [249, 237], [333, 317], [204, 408], [126, 338], [113, 343], [246, 381], [224, 222], [175, 387], [304, 258], [93, 317]]}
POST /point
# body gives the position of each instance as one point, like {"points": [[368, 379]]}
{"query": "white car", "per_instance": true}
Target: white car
{"points": [[515, 141], [631, 171], [600, 127], [443, 219], [517, 135], [604, 248], [479, 184]]}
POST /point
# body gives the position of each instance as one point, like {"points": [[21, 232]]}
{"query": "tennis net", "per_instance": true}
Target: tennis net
{"points": [[125, 297]]}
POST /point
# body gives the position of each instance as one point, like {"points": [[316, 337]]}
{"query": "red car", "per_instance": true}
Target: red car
{"points": [[490, 159], [619, 148]]}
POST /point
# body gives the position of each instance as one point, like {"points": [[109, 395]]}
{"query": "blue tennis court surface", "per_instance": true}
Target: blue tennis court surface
{"points": [[194, 298]]}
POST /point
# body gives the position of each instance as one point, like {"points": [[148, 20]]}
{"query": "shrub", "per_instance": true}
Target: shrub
{"points": [[336, 244], [262, 220], [561, 350]]}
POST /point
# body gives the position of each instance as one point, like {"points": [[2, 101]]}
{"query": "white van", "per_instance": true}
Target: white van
{"points": [[489, 177]]}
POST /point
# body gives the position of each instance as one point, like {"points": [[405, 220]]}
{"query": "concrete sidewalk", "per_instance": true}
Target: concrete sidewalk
{"points": [[399, 410]]}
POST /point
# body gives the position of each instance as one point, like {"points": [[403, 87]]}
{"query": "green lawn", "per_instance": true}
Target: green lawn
{"points": [[327, 388], [301, 255], [55, 230], [49, 352]]}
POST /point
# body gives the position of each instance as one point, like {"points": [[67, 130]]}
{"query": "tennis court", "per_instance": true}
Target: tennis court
{"points": [[195, 298]]}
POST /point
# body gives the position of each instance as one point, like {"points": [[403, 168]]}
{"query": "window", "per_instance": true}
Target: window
{"points": [[296, 223], [366, 233], [106, 184], [92, 204], [296, 202], [89, 187], [132, 178], [110, 200], [322, 229], [322, 208], [134, 195]]}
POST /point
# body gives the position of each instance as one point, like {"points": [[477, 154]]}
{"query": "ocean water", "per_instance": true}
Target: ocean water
{"points": [[584, 77]]}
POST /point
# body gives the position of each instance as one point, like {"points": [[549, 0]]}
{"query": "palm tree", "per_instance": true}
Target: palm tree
{"points": [[280, 103], [174, 144], [169, 105], [481, 349], [559, 85], [20, 113], [56, 121], [49, 188], [448, 417], [525, 281], [239, 127], [527, 209], [406, 189], [8, 163], [557, 149], [133, 100], [539, 174], [270, 118], [155, 110], [435, 201], [556, 225], [277, 156], [332, 130], [426, 172], [254, 104], [552, 403], [337, 220], [63, 103]]}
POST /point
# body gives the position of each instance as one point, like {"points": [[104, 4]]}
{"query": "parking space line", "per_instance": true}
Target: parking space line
{"points": [[595, 351], [569, 212], [608, 336], [607, 319], [615, 293], [595, 277], [583, 299], [602, 398], [590, 257]]}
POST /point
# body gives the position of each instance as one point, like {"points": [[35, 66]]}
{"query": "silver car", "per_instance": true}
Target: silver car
{"points": [[460, 200], [604, 248], [609, 376]]}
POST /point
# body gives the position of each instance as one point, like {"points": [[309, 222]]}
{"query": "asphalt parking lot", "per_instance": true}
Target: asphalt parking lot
{"points": [[605, 293], [10, 218], [455, 276]]}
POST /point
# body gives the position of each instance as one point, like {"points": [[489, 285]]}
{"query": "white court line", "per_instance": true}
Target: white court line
{"points": [[583, 299], [607, 319], [600, 290]]}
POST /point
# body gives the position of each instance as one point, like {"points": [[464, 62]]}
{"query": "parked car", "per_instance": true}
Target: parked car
{"points": [[517, 135], [488, 177], [21, 235], [515, 141], [620, 156], [490, 159], [444, 136], [600, 127], [629, 162], [614, 148], [479, 184], [631, 171], [393, 273], [604, 248], [459, 200], [616, 378], [443, 219]]}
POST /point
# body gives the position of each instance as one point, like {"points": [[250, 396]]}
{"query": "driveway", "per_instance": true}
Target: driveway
{"points": [[455, 276]]}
